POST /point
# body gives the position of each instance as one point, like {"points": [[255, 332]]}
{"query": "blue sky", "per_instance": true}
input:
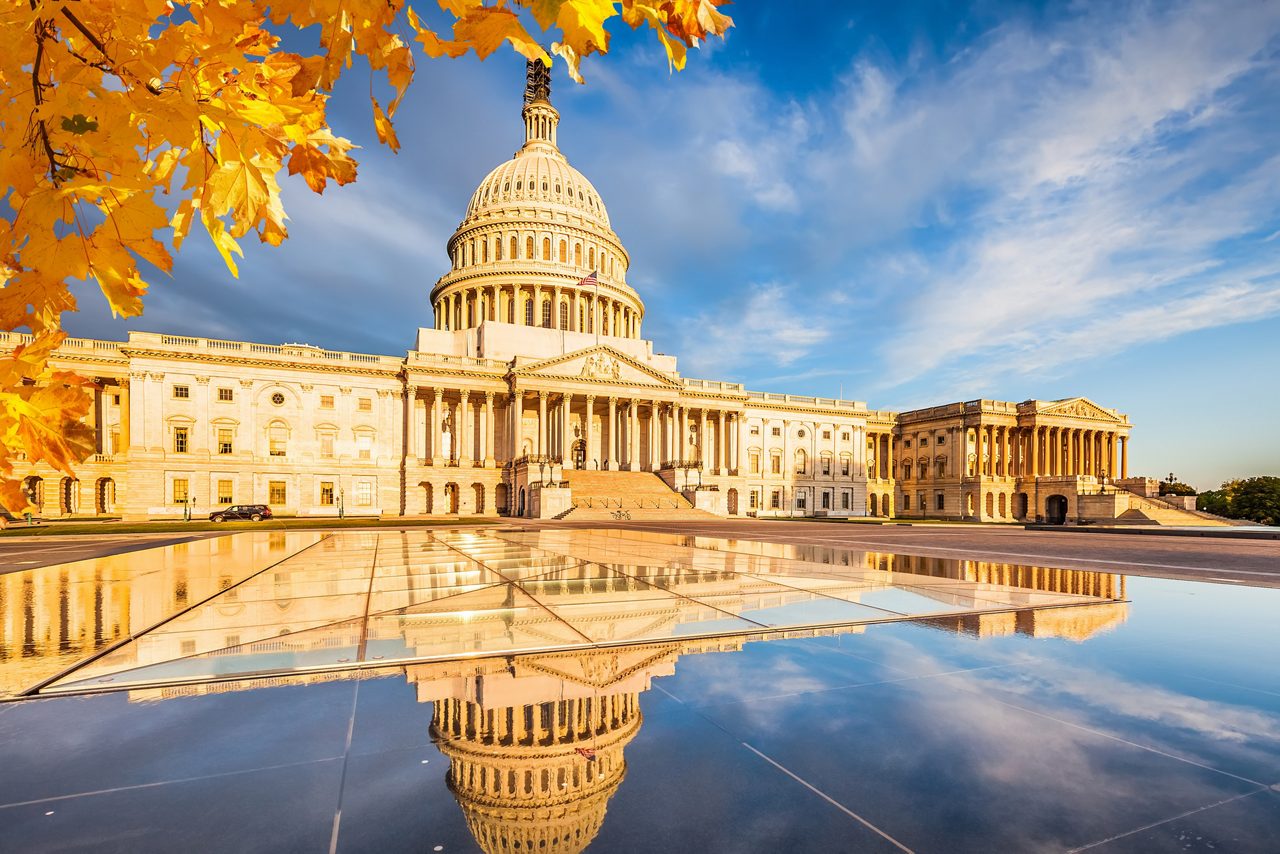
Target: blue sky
{"points": [[914, 205]]}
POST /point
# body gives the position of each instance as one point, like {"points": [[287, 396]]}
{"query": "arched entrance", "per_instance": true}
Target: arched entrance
{"points": [[1020, 505], [105, 496], [502, 499], [451, 498], [579, 454], [69, 496], [33, 491], [732, 501], [1055, 510], [520, 505], [477, 490]]}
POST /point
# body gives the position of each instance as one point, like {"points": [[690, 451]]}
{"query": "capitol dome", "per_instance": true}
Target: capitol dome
{"points": [[534, 230]]}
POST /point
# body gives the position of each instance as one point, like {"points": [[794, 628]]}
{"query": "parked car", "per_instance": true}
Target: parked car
{"points": [[252, 512]]}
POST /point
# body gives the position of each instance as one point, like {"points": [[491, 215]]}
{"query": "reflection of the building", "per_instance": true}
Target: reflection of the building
{"points": [[316, 601]]}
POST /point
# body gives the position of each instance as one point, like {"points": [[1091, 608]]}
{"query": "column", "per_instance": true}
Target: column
{"points": [[682, 432], [463, 430], [722, 461], [517, 423], [411, 426], [1124, 456], [542, 423], [1034, 456], [126, 438], [591, 455], [611, 461], [566, 429], [436, 405], [633, 436], [888, 457], [653, 435], [488, 430]]}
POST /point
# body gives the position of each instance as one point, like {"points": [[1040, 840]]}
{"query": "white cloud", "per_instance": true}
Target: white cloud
{"points": [[768, 325]]}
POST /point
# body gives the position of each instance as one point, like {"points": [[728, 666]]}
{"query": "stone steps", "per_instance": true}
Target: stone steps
{"points": [[621, 495]]}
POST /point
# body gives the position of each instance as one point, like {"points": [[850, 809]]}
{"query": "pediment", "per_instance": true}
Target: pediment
{"points": [[598, 365], [1080, 407]]}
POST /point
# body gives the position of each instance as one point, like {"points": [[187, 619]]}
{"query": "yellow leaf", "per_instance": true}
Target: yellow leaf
{"points": [[487, 27], [386, 133], [434, 46], [224, 242]]}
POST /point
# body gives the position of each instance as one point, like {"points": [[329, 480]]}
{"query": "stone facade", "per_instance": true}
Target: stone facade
{"points": [[535, 365]]}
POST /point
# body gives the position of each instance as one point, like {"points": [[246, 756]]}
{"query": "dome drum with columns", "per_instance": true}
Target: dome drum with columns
{"points": [[533, 230]]}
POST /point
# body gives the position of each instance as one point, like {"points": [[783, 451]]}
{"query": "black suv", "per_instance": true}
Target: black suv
{"points": [[252, 512]]}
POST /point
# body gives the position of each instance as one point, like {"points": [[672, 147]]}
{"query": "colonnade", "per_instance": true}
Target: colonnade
{"points": [[548, 306], [635, 434], [558, 722], [465, 419]]}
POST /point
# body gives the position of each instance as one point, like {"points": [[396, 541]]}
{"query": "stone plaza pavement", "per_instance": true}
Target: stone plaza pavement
{"points": [[1254, 562]]}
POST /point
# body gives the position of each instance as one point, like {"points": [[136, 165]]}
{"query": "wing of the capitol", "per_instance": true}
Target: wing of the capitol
{"points": [[536, 394]]}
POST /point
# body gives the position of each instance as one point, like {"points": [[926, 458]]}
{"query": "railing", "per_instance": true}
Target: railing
{"points": [[291, 351], [16, 339], [713, 385], [829, 402], [418, 358], [681, 464]]}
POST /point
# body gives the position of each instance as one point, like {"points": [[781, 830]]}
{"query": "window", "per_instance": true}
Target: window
{"points": [[844, 466], [365, 404], [826, 501], [802, 501], [546, 249], [826, 465], [180, 437], [224, 492], [802, 462], [924, 441], [844, 501], [775, 463], [497, 248], [326, 401], [776, 431], [278, 399], [226, 395], [753, 500], [115, 399], [844, 437], [528, 312], [326, 493], [754, 462], [546, 314], [326, 445], [182, 392], [775, 499], [800, 434], [564, 256], [364, 493], [826, 434], [181, 490], [188, 647], [514, 247], [224, 440], [364, 446], [906, 443], [276, 492], [278, 440], [564, 315], [906, 501], [591, 258], [906, 471], [755, 430], [940, 501], [941, 440]]}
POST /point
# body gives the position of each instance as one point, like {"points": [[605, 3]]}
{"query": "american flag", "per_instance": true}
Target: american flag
{"points": [[590, 281]]}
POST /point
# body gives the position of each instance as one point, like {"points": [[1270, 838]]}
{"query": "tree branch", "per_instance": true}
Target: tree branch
{"points": [[97, 43]]}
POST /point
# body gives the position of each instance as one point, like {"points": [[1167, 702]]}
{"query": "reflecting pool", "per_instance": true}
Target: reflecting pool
{"points": [[510, 690]]}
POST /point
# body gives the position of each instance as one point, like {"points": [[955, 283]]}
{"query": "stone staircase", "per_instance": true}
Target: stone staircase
{"points": [[1150, 511], [622, 495]]}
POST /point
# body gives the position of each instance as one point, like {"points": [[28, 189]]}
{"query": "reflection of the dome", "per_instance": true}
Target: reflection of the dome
{"points": [[275, 603]]}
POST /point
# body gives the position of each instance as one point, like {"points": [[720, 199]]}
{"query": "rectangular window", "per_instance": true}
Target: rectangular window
{"points": [[826, 434], [755, 463], [326, 493], [753, 501], [826, 465], [755, 431], [326, 401], [180, 490], [775, 499], [224, 492], [224, 440], [115, 399], [906, 443], [182, 392], [180, 435], [906, 501], [826, 501], [364, 447], [364, 493], [326, 446], [365, 404], [940, 501], [226, 394], [844, 466], [941, 440], [276, 492], [844, 437], [278, 442], [775, 463], [924, 440], [844, 501], [776, 431], [802, 501]]}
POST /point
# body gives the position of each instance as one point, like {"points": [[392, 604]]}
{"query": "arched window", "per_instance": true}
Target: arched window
{"points": [[546, 249], [546, 314], [519, 184], [528, 247], [514, 247], [577, 254], [591, 257], [485, 244], [564, 315], [528, 312], [497, 248], [278, 439], [564, 255], [906, 470], [802, 461]]}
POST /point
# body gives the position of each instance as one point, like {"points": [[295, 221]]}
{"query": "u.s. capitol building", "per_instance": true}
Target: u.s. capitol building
{"points": [[534, 393]]}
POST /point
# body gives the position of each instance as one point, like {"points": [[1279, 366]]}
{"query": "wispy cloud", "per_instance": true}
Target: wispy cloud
{"points": [[768, 325]]}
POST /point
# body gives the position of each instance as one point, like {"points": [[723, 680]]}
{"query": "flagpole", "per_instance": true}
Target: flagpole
{"points": [[596, 323]]}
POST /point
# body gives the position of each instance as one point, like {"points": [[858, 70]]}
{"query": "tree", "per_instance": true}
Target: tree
{"points": [[125, 124], [1176, 487], [1256, 499]]}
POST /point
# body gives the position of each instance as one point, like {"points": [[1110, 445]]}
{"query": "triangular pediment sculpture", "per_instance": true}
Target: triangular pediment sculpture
{"points": [[599, 365]]}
